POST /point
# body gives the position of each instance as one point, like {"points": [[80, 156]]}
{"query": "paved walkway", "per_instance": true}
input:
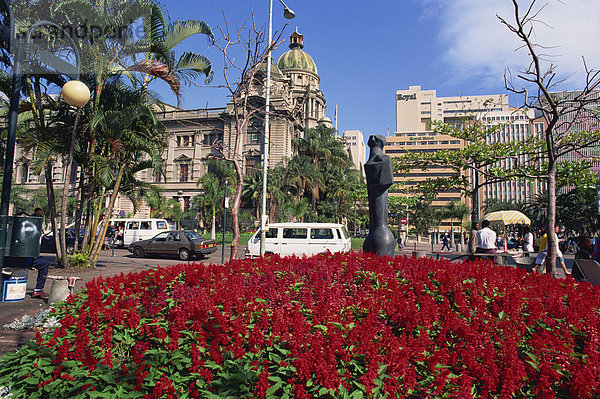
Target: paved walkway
{"points": [[108, 265]]}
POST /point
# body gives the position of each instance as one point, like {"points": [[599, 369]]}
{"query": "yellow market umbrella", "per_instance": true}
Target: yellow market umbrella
{"points": [[507, 218]]}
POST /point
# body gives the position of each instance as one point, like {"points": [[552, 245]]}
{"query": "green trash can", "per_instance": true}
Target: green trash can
{"points": [[24, 234]]}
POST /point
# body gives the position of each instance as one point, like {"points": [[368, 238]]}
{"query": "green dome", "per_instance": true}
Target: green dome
{"points": [[295, 58], [275, 72]]}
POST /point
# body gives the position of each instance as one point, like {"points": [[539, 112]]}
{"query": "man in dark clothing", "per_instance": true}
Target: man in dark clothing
{"points": [[40, 264]]}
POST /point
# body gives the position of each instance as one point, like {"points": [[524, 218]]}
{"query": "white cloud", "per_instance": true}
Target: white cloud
{"points": [[479, 46]]}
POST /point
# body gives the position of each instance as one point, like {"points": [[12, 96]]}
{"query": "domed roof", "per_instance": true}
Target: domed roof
{"points": [[324, 120], [275, 72], [295, 58]]}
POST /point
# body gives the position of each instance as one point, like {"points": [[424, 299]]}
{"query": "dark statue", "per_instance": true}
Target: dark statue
{"points": [[380, 176]]}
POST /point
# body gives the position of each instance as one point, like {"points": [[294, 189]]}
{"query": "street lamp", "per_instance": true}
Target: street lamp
{"points": [[288, 14], [73, 91]]}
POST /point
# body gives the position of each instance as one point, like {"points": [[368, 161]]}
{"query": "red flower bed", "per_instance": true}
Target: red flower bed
{"points": [[343, 325]]}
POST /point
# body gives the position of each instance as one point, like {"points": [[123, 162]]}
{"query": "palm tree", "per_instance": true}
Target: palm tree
{"points": [[253, 188], [278, 191], [165, 36], [493, 205], [455, 210], [211, 197], [213, 183], [132, 140], [297, 210], [322, 147], [537, 210]]}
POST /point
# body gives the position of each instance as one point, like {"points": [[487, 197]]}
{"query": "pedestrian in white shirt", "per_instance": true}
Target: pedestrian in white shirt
{"points": [[486, 239]]}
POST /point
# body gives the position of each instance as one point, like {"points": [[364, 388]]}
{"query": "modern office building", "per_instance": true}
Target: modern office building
{"points": [[575, 118], [355, 145], [418, 110], [296, 103]]}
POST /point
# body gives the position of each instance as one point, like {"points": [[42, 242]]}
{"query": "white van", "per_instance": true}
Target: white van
{"points": [[301, 239], [140, 229]]}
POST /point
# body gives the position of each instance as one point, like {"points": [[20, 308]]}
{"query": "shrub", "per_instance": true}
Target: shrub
{"points": [[343, 325]]}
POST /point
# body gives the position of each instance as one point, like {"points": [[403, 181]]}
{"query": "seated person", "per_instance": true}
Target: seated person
{"points": [[42, 265], [486, 239]]}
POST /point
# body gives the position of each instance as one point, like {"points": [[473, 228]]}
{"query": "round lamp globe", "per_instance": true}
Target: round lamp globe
{"points": [[76, 93]]}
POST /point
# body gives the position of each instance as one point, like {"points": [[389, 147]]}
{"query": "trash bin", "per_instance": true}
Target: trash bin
{"points": [[14, 284], [23, 236]]}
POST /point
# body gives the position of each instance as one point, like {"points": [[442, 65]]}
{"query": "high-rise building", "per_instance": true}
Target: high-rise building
{"points": [[356, 147], [416, 112], [577, 118]]}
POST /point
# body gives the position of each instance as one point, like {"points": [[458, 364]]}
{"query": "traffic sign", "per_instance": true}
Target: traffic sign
{"points": [[403, 220]]}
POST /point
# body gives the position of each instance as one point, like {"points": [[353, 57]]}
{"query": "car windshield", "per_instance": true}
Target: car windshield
{"points": [[193, 236]]}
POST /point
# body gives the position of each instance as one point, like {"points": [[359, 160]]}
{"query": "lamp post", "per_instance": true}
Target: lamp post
{"points": [[73, 93], [288, 14]]}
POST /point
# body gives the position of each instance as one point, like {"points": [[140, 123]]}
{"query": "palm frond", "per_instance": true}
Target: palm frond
{"points": [[191, 65], [154, 24], [180, 30], [161, 71]]}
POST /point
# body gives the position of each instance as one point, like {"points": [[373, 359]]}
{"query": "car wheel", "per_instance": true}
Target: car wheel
{"points": [[184, 254], [138, 252], [70, 249]]}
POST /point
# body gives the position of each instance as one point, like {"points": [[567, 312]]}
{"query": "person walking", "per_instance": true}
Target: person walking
{"points": [[445, 242], [541, 257]]}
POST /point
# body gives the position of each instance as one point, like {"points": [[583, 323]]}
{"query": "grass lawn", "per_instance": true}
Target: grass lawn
{"points": [[357, 243]]}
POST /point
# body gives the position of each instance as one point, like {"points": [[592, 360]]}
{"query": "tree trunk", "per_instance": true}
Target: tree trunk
{"points": [[88, 225], [235, 211], [552, 238], [475, 213], [79, 209], [113, 198]]}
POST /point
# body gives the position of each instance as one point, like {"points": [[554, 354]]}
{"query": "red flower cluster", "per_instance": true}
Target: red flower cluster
{"points": [[329, 325]]}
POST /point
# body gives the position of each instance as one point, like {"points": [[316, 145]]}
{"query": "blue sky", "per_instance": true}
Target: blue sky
{"points": [[365, 51]]}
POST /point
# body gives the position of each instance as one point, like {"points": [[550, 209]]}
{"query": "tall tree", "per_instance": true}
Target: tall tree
{"points": [[243, 82], [561, 113]]}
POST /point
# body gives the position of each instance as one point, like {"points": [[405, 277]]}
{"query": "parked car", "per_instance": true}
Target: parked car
{"points": [[180, 243], [48, 243]]}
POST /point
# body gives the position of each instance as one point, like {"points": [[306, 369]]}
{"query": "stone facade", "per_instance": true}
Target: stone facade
{"points": [[296, 104]]}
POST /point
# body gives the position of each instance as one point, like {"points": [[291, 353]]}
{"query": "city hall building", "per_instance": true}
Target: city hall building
{"points": [[296, 104]]}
